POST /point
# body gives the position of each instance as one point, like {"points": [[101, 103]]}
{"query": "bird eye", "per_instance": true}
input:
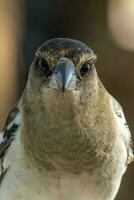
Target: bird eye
{"points": [[43, 65], [86, 67]]}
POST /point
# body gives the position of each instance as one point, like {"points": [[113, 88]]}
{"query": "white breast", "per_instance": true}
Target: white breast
{"points": [[21, 186], [27, 184]]}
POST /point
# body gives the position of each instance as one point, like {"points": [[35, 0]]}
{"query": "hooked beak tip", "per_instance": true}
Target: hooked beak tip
{"points": [[63, 89]]}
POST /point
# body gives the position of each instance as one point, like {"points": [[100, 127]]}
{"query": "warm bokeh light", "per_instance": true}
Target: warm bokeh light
{"points": [[10, 32], [121, 22]]}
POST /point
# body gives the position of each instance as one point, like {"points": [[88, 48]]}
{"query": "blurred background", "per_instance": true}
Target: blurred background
{"points": [[107, 26]]}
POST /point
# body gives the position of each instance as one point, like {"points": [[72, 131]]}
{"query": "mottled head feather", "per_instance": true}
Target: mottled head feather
{"points": [[56, 48]]}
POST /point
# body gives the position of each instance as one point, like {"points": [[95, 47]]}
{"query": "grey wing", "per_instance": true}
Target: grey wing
{"points": [[7, 136], [124, 129]]}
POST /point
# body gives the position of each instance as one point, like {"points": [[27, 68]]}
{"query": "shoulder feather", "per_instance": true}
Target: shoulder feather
{"points": [[7, 136], [123, 128]]}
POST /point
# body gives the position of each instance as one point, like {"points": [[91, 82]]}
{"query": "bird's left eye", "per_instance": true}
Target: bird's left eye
{"points": [[86, 67], [43, 65]]}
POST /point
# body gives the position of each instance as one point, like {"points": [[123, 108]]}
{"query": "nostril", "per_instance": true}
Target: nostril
{"points": [[77, 76], [49, 74]]}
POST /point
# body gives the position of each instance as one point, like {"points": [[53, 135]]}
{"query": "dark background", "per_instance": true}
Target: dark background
{"points": [[107, 26]]}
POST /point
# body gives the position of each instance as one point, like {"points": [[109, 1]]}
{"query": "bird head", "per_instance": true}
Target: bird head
{"points": [[64, 102], [63, 67]]}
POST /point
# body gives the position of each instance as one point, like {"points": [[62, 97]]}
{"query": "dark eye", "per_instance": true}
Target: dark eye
{"points": [[43, 65], [86, 67]]}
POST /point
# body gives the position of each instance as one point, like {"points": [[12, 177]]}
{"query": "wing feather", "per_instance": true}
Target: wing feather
{"points": [[124, 129], [7, 136]]}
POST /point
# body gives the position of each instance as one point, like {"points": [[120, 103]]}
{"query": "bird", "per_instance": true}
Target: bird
{"points": [[67, 138]]}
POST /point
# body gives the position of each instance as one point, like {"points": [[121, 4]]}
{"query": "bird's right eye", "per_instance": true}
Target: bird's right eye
{"points": [[43, 65]]}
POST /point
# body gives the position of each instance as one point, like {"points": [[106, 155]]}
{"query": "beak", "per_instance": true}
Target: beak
{"points": [[64, 77]]}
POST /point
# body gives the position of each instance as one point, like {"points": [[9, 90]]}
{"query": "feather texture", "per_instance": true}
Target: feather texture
{"points": [[7, 136]]}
